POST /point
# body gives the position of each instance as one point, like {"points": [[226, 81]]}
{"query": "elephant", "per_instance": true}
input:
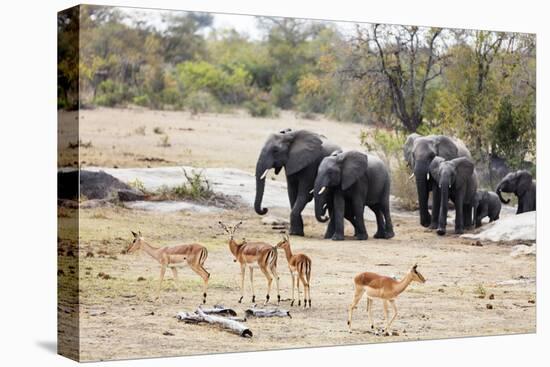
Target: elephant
{"points": [[522, 185], [486, 204], [300, 152], [455, 179], [419, 151], [347, 182]]}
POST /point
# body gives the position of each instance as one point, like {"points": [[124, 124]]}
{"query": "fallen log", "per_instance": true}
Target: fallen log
{"points": [[258, 312], [219, 310], [226, 323]]}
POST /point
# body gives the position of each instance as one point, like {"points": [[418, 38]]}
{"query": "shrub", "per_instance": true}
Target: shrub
{"points": [[109, 93], [196, 188], [391, 145], [164, 142], [201, 102], [142, 100], [261, 105]]}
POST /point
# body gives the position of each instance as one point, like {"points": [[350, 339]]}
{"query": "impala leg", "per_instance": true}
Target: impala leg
{"points": [[293, 285], [201, 271], [269, 281], [175, 275], [306, 286], [369, 311], [386, 316], [356, 298], [276, 276], [298, 288], [162, 271], [392, 302], [251, 271], [243, 269]]}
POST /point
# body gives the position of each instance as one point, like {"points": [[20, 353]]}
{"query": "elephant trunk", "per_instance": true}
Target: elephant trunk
{"points": [[499, 193], [321, 197], [261, 174], [444, 202], [423, 189]]}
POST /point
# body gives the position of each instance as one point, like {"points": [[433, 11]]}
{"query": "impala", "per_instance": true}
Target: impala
{"points": [[250, 254], [194, 254], [385, 288], [300, 265]]}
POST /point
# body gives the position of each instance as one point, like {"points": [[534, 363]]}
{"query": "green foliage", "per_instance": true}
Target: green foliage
{"points": [[227, 85], [195, 188], [511, 132], [261, 105], [109, 93], [201, 102]]}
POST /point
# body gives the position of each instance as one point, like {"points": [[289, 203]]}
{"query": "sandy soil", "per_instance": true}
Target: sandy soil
{"points": [[119, 318]]}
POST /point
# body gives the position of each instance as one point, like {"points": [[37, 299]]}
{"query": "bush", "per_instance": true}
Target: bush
{"points": [[201, 102], [109, 93], [142, 100], [391, 145], [261, 105], [164, 142], [196, 188]]}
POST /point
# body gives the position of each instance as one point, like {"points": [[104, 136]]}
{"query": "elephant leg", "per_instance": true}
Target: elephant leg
{"points": [[339, 208], [380, 225], [467, 216], [436, 206], [330, 226], [459, 215], [389, 225], [296, 222], [358, 210], [349, 215]]}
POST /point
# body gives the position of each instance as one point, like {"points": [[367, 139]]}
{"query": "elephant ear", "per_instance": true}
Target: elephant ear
{"points": [[524, 180], [408, 149], [354, 166], [464, 170], [434, 167], [305, 148], [445, 147]]}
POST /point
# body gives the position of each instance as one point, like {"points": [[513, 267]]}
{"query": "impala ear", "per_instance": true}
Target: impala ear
{"points": [[139, 233], [134, 234]]}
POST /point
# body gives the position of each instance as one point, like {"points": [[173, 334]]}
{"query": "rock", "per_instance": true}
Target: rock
{"points": [[140, 279], [167, 333], [130, 195], [491, 296], [523, 250], [510, 228], [93, 186], [489, 306], [274, 221]]}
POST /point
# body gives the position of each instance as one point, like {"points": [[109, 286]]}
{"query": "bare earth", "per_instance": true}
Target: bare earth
{"points": [[119, 318]]}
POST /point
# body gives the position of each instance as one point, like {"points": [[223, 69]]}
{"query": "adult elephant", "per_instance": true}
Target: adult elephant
{"points": [[353, 180], [522, 185], [456, 180], [300, 152], [419, 151]]}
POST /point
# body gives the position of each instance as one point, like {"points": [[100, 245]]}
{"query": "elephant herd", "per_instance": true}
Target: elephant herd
{"points": [[343, 183]]}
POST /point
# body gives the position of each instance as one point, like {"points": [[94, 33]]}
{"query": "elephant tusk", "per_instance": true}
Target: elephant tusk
{"points": [[311, 191], [322, 190], [264, 174], [411, 176], [324, 206], [428, 176]]}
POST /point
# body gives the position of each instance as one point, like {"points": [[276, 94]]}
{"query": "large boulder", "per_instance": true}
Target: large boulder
{"points": [[95, 185], [510, 228]]}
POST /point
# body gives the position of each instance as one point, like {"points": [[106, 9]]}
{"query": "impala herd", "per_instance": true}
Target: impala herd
{"points": [[264, 256]]}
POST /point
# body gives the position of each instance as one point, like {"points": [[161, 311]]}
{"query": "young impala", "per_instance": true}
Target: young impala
{"points": [[386, 288], [194, 254], [251, 253], [301, 265]]}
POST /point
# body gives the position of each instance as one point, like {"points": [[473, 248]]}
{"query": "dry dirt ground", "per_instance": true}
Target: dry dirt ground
{"points": [[120, 319]]}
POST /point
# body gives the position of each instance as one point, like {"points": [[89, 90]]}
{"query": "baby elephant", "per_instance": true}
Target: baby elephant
{"points": [[486, 204]]}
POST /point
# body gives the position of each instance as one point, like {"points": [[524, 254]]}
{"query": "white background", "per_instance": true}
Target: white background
{"points": [[28, 181]]}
